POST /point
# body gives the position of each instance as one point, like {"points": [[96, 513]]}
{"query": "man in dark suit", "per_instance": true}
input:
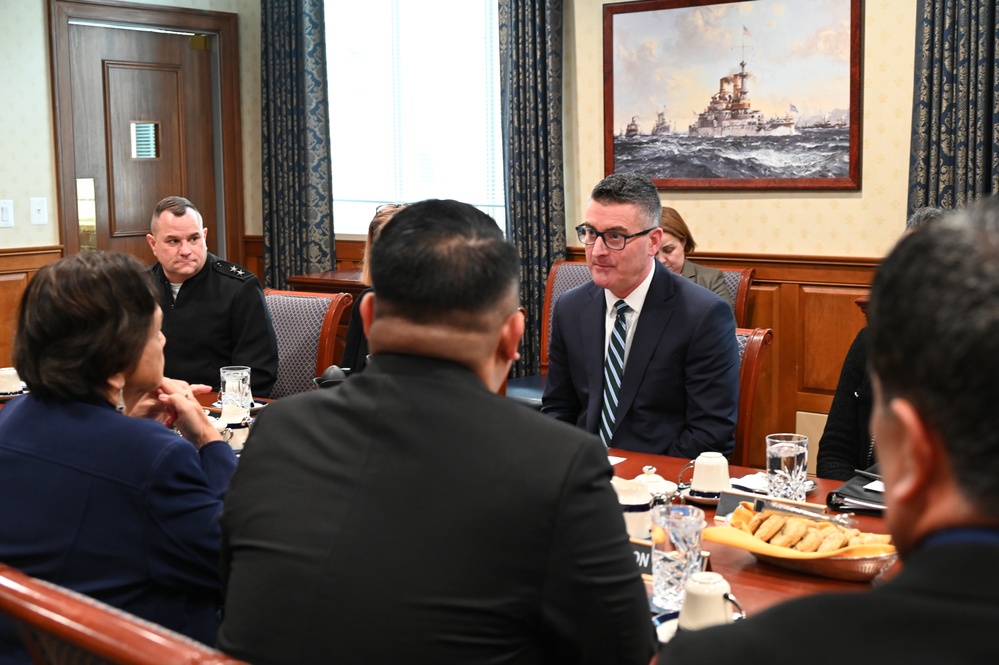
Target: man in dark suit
{"points": [[410, 513], [933, 332], [679, 391]]}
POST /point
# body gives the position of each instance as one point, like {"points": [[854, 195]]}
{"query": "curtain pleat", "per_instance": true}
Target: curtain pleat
{"points": [[297, 191], [530, 42], [955, 122]]}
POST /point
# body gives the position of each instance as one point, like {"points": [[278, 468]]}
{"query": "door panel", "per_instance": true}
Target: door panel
{"points": [[121, 77], [142, 95]]}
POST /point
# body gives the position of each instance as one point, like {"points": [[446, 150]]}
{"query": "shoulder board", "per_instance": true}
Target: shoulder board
{"points": [[232, 270]]}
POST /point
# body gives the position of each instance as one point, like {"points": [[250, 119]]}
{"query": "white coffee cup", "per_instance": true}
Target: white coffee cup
{"points": [[707, 602], [10, 382], [636, 501], [710, 477]]}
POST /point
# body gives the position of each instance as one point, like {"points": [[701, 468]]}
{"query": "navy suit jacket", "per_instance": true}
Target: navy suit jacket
{"points": [[680, 391], [117, 508]]}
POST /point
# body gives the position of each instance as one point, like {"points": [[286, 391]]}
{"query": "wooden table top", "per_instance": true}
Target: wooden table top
{"points": [[756, 585], [331, 281]]}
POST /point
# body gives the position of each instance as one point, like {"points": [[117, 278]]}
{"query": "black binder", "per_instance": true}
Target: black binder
{"points": [[853, 498]]}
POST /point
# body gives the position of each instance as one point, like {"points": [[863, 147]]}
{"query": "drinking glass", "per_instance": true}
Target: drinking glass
{"points": [[236, 397], [676, 552], [787, 466]]}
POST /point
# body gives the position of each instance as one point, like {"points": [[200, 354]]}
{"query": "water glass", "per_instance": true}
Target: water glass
{"points": [[676, 552], [787, 466], [236, 397]]}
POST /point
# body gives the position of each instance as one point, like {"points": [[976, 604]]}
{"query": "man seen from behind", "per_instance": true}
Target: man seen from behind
{"points": [[411, 514]]}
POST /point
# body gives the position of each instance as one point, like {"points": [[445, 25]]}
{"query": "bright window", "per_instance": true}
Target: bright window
{"points": [[414, 106]]}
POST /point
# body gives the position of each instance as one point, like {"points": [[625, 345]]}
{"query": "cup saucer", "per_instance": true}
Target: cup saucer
{"points": [[666, 626], [703, 500], [257, 405]]}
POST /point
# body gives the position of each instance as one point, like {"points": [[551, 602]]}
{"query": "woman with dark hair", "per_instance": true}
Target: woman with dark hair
{"points": [[355, 351], [123, 509], [677, 242]]}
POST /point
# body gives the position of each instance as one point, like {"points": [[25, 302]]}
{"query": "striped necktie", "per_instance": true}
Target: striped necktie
{"points": [[613, 372]]}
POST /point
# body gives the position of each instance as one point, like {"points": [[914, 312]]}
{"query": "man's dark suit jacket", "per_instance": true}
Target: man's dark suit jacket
{"points": [[409, 514], [680, 392], [942, 608]]}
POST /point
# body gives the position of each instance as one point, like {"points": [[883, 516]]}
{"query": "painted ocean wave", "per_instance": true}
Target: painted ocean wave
{"points": [[821, 153]]}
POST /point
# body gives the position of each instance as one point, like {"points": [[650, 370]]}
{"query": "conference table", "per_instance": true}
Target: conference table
{"points": [[756, 585]]}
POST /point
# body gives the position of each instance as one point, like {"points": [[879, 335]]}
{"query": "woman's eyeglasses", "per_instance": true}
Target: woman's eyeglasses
{"points": [[389, 207]]}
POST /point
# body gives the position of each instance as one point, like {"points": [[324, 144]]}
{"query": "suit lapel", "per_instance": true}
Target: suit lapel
{"points": [[593, 320], [656, 313]]}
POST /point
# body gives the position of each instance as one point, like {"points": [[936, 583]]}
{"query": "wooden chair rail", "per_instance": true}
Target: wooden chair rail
{"points": [[61, 626]]}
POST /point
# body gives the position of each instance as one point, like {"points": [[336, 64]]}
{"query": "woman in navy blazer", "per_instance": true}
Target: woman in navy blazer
{"points": [[120, 508]]}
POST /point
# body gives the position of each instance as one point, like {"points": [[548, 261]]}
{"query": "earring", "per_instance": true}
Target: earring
{"points": [[121, 401]]}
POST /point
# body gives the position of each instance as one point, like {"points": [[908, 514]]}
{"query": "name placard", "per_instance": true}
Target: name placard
{"points": [[643, 554]]}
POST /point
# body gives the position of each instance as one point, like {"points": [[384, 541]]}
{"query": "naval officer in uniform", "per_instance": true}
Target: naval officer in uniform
{"points": [[214, 313]]}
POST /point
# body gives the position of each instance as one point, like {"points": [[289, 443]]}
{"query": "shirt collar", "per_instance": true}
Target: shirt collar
{"points": [[636, 298]]}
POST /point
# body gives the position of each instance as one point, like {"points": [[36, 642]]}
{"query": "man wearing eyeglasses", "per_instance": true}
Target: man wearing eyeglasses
{"points": [[642, 357]]}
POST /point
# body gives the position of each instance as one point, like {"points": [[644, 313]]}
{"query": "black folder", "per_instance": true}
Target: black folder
{"points": [[853, 498]]}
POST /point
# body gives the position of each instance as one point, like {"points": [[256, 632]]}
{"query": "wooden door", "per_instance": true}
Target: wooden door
{"points": [[167, 79], [147, 88]]}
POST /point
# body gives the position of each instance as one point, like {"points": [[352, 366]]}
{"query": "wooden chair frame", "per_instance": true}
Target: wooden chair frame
{"points": [[741, 308], [546, 310], [757, 343], [61, 626]]}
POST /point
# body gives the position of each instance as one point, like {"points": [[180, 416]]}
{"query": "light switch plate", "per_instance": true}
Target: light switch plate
{"points": [[6, 214], [39, 210]]}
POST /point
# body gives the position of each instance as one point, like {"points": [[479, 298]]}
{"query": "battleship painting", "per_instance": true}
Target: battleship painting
{"points": [[730, 113], [682, 105]]}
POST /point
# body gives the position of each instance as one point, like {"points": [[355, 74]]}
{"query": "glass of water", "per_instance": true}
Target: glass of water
{"points": [[676, 552], [236, 397], [787, 466]]}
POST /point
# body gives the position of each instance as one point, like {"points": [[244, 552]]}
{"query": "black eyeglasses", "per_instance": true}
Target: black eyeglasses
{"points": [[613, 239]]}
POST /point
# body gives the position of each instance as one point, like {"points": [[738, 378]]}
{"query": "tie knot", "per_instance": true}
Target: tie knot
{"points": [[621, 307]]}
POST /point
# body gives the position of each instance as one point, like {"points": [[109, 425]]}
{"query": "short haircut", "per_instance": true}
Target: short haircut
{"points": [[622, 188], [177, 205], [923, 216], [934, 339], [674, 225], [443, 262], [83, 319]]}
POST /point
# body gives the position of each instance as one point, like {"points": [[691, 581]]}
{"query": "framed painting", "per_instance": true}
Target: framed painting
{"points": [[758, 94]]}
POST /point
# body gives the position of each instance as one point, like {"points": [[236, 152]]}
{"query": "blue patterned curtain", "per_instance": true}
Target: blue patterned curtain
{"points": [[530, 42], [297, 192], [955, 124]]}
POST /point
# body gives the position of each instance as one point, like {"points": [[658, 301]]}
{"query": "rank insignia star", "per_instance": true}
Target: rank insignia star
{"points": [[240, 272], [233, 268]]}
